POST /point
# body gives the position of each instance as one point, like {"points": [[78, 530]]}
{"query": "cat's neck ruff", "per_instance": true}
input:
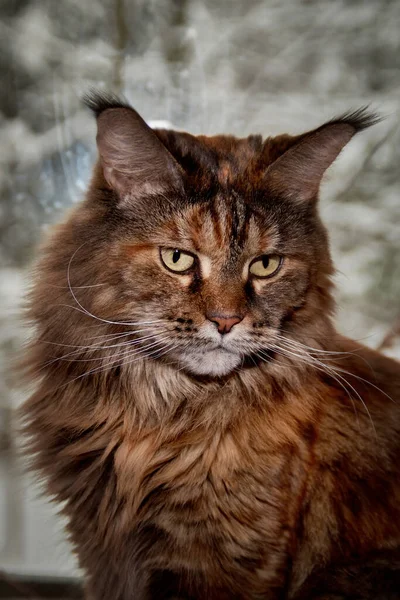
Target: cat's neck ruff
{"points": [[160, 392]]}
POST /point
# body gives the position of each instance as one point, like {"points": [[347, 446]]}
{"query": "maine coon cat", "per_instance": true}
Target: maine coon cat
{"points": [[209, 432]]}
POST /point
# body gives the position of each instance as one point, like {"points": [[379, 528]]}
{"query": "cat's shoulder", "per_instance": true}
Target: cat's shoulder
{"points": [[372, 368]]}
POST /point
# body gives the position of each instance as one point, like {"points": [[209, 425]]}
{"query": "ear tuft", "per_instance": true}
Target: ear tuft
{"points": [[98, 101], [134, 160], [298, 172], [359, 119]]}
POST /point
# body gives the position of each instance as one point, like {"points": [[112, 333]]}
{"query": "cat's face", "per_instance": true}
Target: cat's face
{"points": [[212, 246], [219, 279]]}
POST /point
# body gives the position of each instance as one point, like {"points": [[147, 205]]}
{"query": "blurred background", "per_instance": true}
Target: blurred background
{"points": [[208, 66]]}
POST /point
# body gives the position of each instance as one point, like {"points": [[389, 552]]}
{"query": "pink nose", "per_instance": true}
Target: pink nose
{"points": [[224, 323]]}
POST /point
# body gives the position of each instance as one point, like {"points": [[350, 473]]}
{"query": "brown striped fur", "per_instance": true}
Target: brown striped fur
{"points": [[266, 480]]}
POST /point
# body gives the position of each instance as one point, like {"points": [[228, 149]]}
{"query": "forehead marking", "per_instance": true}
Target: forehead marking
{"points": [[239, 221], [224, 172], [214, 216]]}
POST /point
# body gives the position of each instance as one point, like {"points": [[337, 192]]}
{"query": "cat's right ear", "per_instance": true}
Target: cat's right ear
{"points": [[134, 160]]}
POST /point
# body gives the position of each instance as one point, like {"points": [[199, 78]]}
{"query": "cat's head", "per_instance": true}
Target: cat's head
{"points": [[212, 245]]}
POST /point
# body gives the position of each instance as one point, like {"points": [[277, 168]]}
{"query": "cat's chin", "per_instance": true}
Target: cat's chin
{"points": [[214, 363]]}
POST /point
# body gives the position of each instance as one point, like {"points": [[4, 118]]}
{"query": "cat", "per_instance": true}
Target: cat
{"points": [[208, 431]]}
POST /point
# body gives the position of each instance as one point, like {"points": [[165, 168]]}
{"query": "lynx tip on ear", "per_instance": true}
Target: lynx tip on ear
{"points": [[98, 101], [298, 172], [359, 119]]}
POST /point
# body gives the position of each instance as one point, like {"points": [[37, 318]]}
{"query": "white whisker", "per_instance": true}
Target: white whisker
{"points": [[330, 370], [76, 287], [101, 346], [113, 361], [101, 358], [126, 333], [318, 350], [352, 374], [282, 352], [78, 351], [83, 309]]}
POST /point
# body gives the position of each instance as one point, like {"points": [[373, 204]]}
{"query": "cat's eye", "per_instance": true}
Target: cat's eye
{"points": [[266, 265], [176, 260]]}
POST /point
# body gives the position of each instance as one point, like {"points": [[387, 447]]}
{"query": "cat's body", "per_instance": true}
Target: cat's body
{"points": [[190, 468]]}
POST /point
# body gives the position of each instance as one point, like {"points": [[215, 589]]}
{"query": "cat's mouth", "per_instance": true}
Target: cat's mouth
{"points": [[215, 362], [211, 346]]}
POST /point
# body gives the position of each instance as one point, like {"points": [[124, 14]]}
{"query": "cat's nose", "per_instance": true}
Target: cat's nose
{"points": [[224, 323]]}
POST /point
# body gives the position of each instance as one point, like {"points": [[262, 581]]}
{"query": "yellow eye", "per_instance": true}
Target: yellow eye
{"points": [[265, 266], [176, 260]]}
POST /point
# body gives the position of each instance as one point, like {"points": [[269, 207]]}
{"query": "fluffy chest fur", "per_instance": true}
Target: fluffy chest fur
{"points": [[222, 480], [212, 493], [213, 497]]}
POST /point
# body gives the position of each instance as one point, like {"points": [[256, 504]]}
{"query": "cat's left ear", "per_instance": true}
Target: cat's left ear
{"points": [[297, 174], [133, 159]]}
